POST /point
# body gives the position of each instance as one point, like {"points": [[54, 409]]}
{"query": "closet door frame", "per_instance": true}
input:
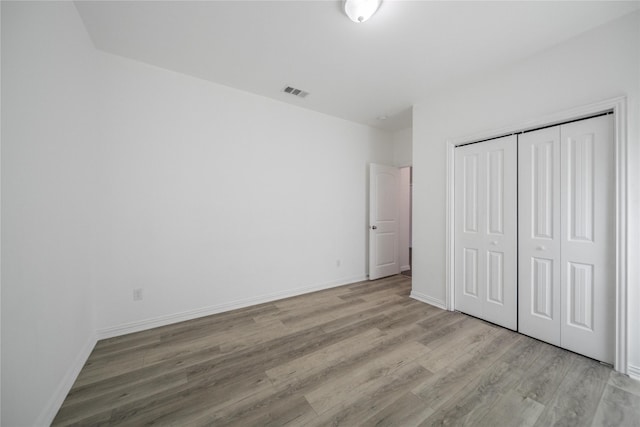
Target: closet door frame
{"points": [[618, 107]]}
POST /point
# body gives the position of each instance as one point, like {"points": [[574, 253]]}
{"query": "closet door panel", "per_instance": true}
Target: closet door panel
{"points": [[469, 238], [542, 287], [495, 277], [539, 234], [485, 231], [588, 245], [501, 293]]}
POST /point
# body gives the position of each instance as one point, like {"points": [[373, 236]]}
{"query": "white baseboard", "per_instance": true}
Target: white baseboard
{"points": [[55, 402], [142, 325], [429, 300], [405, 268], [633, 372]]}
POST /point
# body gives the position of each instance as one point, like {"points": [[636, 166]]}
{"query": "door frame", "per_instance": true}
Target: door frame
{"points": [[616, 105]]}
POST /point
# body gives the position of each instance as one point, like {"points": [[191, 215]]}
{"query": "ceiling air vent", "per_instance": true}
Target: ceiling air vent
{"points": [[297, 92]]}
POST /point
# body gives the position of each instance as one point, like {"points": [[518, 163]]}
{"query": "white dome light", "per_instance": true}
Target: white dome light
{"points": [[361, 10]]}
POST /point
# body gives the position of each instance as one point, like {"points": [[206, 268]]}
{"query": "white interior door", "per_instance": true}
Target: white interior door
{"points": [[539, 234], [485, 230], [588, 243], [384, 202]]}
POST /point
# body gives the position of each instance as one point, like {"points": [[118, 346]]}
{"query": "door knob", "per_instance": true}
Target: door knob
{"points": [[373, 227], [541, 248], [494, 242]]}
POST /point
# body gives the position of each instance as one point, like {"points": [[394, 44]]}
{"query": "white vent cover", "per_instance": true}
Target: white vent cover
{"points": [[296, 92]]}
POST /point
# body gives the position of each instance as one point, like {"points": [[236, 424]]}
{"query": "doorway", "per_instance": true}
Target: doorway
{"points": [[390, 242], [406, 200]]}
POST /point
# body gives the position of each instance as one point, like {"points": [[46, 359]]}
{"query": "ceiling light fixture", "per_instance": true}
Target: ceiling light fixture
{"points": [[361, 10]]}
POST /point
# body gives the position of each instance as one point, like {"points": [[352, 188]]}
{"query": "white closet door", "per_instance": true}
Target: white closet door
{"points": [[485, 230], [588, 244], [566, 245], [539, 234]]}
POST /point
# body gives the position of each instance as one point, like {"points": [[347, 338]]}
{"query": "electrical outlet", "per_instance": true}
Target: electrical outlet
{"points": [[137, 294]]}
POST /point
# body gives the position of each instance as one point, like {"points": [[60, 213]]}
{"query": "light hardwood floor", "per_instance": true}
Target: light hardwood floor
{"points": [[362, 354]]}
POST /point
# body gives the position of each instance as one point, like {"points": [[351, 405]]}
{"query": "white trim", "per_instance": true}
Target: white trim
{"points": [[449, 228], [55, 402], [548, 120], [620, 128], [403, 165], [427, 299], [618, 106], [142, 325], [405, 268], [633, 372]]}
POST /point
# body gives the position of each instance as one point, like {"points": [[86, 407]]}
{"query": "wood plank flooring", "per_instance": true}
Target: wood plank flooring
{"points": [[362, 354]]}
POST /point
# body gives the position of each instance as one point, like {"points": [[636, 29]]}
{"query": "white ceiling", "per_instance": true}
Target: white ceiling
{"points": [[359, 72]]}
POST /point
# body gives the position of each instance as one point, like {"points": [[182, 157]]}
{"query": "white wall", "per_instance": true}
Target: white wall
{"points": [[48, 206], [595, 66], [212, 198], [403, 147], [117, 175]]}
